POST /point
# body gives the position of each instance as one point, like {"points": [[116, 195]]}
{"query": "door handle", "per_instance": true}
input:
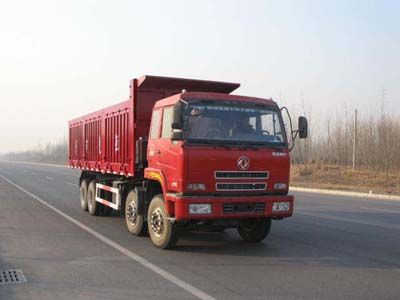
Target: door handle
{"points": [[158, 152]]}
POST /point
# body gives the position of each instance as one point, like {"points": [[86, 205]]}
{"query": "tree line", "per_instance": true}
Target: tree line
{"points": [[375, 138], [329, 143], [52, 152]]}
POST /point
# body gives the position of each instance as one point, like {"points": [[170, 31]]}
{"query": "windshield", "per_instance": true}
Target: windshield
{"points": [[230, 122]]}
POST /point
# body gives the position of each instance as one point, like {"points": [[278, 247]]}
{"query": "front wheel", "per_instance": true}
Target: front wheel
{"points": [[135, 222], [254, 230], [163, 233]]}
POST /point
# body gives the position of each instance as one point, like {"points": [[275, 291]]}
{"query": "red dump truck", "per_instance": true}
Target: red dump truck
{"points": [[184, 154]]}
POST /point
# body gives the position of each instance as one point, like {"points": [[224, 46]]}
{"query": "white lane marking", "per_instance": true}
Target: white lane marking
{"points": [[335, 218], [72, 184], [144, 262], [345, 193], [49, 178], [381, 210], [34, 163]]}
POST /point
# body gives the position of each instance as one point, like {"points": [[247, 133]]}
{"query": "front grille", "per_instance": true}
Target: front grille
{"points": [[231, 208], [241, 186], [241, 175]]}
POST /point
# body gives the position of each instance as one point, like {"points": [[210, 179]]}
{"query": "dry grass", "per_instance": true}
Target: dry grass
{"points": [[343, 178]]}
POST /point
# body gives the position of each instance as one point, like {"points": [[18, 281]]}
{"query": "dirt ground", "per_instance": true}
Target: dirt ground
{"points": [[343, 178]]}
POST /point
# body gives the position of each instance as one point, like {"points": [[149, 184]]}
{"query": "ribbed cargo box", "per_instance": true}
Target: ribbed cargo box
{"points": [[104, 141]]}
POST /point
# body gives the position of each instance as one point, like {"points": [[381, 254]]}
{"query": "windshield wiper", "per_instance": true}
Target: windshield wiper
{"points": [[220, 144], [229, 144], [242, 145], [269, 145], [211, 142]]}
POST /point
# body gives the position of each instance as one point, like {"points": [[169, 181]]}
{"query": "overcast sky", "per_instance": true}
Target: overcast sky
{"points": [[61, 59]]}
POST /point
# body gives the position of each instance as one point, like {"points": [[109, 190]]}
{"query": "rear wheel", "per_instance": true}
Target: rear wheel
{"points": [[254, 230], [163, 233], [93, 206], [83, 189], [135, 222]]}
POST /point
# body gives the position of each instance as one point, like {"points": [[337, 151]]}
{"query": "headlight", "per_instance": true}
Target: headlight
{"points": [[200, 208], [196, 186], [280, 206]]}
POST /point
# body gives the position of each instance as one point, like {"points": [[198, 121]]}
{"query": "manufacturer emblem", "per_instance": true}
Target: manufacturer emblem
{"points": [[243, 163]]}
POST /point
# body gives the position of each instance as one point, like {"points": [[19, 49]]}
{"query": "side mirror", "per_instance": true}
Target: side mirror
{"points": [[176, 125], [177, 116], [176, 135], [303, 127]]}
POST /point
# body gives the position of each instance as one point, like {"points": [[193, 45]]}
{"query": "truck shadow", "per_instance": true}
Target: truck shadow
{"points": [[303, 241], [304, 245]]}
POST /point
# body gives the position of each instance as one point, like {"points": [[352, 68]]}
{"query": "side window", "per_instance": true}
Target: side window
{"points": [[155, 124], [166, 123]]}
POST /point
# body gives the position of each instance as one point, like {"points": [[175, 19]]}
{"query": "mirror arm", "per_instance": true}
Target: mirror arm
{"points": [[293, 133]]}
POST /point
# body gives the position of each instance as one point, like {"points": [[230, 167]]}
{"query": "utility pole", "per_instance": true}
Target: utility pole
{"points": [[385, 137], [355, 140], [383, 94]]}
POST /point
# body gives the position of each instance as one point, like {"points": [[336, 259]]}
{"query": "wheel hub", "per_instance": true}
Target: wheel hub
{"points": [[157, 222], [131, 213]]}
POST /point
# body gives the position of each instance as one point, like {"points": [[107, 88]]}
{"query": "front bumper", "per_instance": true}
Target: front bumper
{"points": [[219, 204]]}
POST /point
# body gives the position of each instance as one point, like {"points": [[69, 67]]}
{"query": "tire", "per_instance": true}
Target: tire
{"points": [[166, 234], [83, 190], [94, 207], [134, 222], [219, 229], [254, 230]]}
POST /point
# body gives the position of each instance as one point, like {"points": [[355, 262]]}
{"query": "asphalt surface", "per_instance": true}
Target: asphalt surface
{"points": [[334, 247]]}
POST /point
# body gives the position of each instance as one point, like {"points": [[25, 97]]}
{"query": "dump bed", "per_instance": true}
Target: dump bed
{"points": [[104, 141]]}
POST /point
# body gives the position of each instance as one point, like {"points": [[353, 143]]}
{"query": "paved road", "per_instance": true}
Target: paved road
{"points": [[332, 248]]}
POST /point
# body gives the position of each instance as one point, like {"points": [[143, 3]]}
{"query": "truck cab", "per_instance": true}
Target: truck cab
{"points": [[222, 161]]}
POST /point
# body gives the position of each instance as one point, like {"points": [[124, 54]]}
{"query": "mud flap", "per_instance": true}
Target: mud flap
{"points": [[141, 196]]}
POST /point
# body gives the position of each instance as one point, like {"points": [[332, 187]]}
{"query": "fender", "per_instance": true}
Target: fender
{"points": [[157, 175]]}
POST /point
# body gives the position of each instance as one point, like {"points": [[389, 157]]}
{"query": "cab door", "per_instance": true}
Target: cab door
{"points": [[169, 153], [152, 157]]}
